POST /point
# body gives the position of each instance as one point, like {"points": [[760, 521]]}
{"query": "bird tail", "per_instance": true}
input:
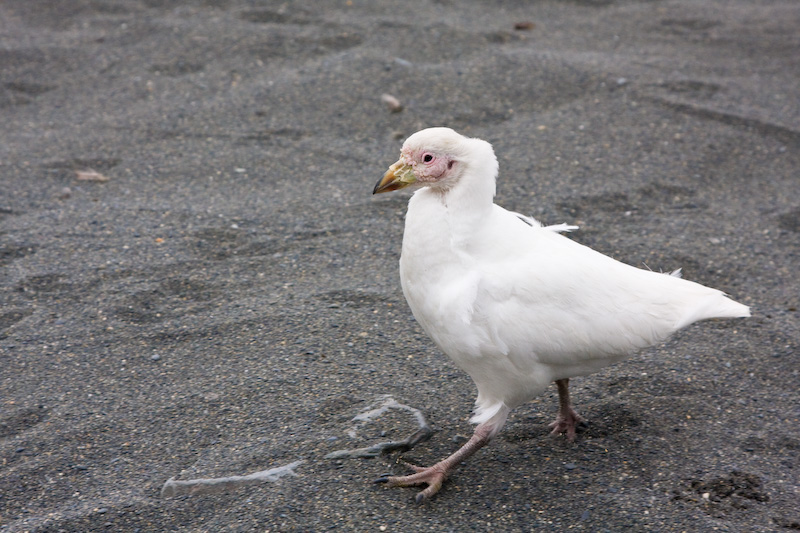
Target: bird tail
{"points": [[715, 305]]}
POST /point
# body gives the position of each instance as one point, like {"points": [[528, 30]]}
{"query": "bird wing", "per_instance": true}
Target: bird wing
{"points": [[541, 298]]}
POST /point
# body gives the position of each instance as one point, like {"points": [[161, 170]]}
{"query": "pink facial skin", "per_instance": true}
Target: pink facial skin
{"points": [[428, 166]]}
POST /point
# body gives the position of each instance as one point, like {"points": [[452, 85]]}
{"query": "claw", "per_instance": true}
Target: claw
{"points": [[432, 476]]}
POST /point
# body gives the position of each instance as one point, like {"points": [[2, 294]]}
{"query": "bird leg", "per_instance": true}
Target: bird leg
{"points": [[567, 417], [435, 475]]}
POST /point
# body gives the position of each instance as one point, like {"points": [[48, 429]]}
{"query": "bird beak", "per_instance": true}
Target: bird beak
{"points": [[398, 176]]}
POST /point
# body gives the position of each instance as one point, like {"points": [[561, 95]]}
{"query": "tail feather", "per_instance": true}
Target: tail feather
{"points": [[715, 305]]}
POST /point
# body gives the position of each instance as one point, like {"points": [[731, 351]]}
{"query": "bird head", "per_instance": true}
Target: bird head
{"points": [[432, 157]]}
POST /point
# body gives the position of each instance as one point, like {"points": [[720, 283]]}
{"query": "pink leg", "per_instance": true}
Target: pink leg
{"points": [[567, 418], [435, 475]]}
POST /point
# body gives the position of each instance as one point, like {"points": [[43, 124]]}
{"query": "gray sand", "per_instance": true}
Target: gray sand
{"points": [[228, 300]]}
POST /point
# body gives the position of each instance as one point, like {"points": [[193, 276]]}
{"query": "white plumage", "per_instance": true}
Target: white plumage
{"points": [[513, 303]]}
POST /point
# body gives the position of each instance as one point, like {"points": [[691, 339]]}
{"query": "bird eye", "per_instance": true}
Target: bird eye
{"points": [[427, 158]]}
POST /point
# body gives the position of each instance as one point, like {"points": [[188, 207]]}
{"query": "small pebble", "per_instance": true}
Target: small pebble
{"points": [[155, 357], [392, 103], [90, 175], [570, 466]]}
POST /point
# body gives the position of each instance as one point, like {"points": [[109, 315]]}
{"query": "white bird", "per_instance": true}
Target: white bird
{"points": [[513, 303]]}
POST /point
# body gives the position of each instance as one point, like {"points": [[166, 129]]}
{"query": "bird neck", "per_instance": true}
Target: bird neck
{"points": [[472, 195]]}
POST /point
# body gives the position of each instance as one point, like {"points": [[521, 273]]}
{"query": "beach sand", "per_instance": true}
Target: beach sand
{"points": [[196, 281]]}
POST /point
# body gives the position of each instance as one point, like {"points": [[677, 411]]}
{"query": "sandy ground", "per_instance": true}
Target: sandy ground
{"points": [[221, 296]]}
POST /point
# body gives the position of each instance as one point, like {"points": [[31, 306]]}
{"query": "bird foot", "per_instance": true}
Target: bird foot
{"points": [[566, 422], [433, 476]]}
